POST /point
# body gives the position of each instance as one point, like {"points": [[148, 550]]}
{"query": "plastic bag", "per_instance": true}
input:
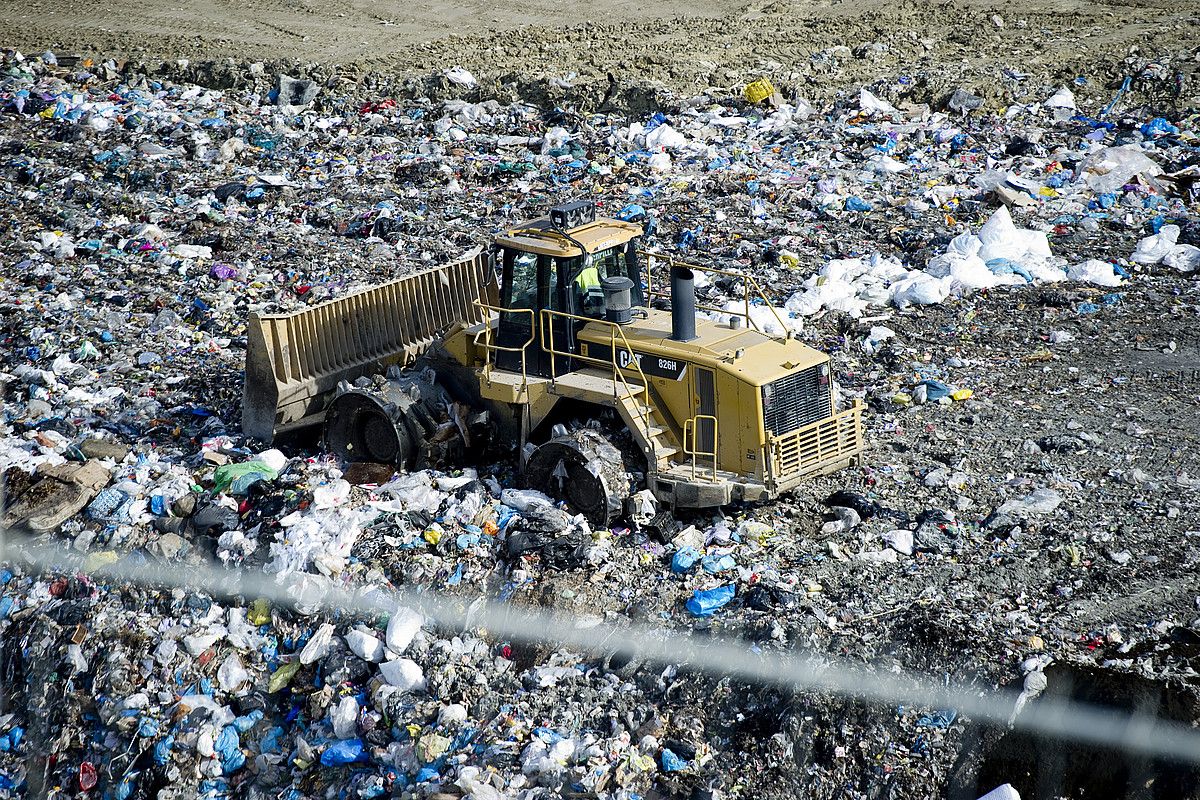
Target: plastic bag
{"points": [[402, 628], [460, 76], [344, 718], [232, 676], [1039, 501], [900, 540], [705, 602], [718, 563], [318, 646], [921, 290], [332, 494], [1002, 792], [672, 762], [1183, 257], [871, 104], [1154, 249], [684, 559], [525, 499], [238, 478], [1094, 271], [346, 751], [403, 673], [664, 137], [365, 645], [1063, 98], [1110, 168]]}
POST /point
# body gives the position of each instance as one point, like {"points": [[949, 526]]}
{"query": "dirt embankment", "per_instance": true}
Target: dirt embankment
{"points": [[616, 55]]}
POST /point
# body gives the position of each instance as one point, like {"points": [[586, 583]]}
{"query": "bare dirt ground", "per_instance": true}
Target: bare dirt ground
{"points": [[680, 45]]}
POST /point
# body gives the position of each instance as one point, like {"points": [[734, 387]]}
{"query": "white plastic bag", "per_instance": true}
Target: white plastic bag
{"points": [[232, 676], [525, 499], [403, 673], [1155, 248], [1110, 168], [344, 717], [664, 137], [1094, 271], [402, 629], [318, 645], [364, 645], [1063, 98], [920, 289], [460, 76], [871, 104], [1184, 257]]}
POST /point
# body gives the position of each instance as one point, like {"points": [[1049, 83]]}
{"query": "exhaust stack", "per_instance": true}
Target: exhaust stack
{"points": [[683, 304]]}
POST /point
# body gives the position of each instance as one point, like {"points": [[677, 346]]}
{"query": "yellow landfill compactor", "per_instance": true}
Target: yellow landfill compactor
{"points": [[556, 322]]}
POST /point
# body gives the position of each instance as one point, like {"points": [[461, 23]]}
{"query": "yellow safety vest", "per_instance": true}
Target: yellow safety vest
{"points": [[588, 278]]}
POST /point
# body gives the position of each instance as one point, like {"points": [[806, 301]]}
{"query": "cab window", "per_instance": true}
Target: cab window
{"points": [[587, 275], [523, 291]]}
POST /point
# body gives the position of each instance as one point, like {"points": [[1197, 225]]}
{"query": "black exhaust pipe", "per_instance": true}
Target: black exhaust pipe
{"points": [[683, 304]]}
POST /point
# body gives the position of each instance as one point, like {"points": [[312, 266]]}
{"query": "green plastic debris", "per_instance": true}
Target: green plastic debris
{"points": [[260, 612], [283, 676], [238, 478]]}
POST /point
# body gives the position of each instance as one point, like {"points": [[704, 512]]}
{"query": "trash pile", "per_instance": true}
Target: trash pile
{"points": [[1007, 489]]}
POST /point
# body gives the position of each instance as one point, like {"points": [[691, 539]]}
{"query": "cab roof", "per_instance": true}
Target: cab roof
{"points": [[539, 236]]}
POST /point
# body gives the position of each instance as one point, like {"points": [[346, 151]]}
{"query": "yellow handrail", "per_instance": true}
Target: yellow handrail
{"points": [[750, 283], [486, 333], [689, 426], [614, 330]]}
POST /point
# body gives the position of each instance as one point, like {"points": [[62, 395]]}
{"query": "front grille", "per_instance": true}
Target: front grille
{"points": [[796, 400]]}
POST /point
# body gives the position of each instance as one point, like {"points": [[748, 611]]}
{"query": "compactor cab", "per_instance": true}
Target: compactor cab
{"points": [[564, 313], [544, 266]]}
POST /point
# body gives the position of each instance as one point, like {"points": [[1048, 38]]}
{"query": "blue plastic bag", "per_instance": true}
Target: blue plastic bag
{"points": [[233, 763], [857, 204], [631, 213], [942, 718], [715, 564], [935, 390], [245, 723], [125, 787], [684, 560], [162, 751], [1158, 127], [705, 602], [272, 741], [1005, 266], [346, 751], [227, 742], [672, 762]]}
